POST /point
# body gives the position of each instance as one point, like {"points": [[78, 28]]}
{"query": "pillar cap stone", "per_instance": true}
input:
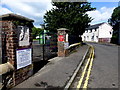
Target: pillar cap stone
{"points": [[15, 16], [63, 29]]}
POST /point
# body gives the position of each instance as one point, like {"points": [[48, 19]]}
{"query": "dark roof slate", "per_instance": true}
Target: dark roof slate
{"points": [[94, 26]]}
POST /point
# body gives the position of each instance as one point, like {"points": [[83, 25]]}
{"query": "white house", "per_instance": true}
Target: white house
{"points": [[101, 32]]}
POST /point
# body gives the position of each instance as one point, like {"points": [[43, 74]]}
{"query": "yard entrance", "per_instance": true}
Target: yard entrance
{"points": [[44, 49]]}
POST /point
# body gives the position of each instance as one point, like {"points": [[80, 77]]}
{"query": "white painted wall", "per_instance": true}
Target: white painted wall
{"points": [[90, 35], [102, 32]]}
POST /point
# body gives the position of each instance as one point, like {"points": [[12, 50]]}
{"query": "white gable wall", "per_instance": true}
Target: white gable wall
{"points": [[104, 31]]}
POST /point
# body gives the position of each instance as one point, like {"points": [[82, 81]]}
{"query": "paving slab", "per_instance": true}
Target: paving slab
{"points": [[57, 72]]}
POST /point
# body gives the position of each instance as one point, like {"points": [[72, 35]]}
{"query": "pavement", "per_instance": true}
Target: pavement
{"points": [[56, 73]]}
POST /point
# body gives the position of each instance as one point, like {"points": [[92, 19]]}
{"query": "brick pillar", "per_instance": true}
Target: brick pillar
{"points": [[63, 43], [17, 46]]}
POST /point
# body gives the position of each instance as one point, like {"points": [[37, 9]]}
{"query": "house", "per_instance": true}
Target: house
{"points": [[101, 32]]}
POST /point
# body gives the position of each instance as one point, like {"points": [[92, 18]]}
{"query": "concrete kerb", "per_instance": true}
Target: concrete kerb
{"points": [[103, 43], [67, 86]]}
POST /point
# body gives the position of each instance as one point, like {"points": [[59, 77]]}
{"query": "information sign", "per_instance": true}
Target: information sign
{"points": [[24, 57]]}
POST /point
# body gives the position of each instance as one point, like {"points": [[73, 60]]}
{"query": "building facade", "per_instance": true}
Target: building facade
{"points": [[101, 32]]}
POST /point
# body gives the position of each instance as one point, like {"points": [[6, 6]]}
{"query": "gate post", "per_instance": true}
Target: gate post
{"points": [[63, 43], [18, 45]]}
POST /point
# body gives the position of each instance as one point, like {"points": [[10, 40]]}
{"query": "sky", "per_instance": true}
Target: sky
{"points": [[35, 9]]}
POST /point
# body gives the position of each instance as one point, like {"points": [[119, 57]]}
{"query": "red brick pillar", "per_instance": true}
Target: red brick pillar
{"points": [[63, 43], [17, 45]]}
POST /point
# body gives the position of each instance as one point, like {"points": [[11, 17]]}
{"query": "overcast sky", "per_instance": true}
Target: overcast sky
{"points": [[35, 9]]}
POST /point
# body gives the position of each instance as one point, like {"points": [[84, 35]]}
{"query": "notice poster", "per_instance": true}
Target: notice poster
{"points": [[23, 35], [61, 38], [24, 57]]}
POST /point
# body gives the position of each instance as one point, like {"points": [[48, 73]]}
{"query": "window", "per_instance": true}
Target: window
{"points": [[90, 30], [97, 37], [110, 32], [92, 38], [87, 37], [84, 38], [95, 29]]}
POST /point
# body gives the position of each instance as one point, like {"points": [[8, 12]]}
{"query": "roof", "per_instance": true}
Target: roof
{"points": [[15, 16], [94, 26]]}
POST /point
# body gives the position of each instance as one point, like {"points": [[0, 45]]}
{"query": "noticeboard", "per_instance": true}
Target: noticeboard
{"points": [[24, 57]]}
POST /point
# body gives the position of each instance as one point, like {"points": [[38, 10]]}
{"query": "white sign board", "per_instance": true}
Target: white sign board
{"points": [[24, 57], [66, 37], [66, 45]]}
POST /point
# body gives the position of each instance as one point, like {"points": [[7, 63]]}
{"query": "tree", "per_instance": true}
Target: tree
{"points": [[115, 22], [70, 15], [36, 31]]}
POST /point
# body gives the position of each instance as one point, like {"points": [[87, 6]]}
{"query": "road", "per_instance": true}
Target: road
{"points": [[104, 73]]}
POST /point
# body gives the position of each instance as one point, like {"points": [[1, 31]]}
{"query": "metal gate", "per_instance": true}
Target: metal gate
{"points": [[45, 49], [50, 47]]}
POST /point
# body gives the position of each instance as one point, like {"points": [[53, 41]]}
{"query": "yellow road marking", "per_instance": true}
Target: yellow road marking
{"points": [[83, 74], [89, 71]]}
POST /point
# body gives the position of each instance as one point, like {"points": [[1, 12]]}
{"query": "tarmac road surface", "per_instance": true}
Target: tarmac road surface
{"points": [[104, 73]]}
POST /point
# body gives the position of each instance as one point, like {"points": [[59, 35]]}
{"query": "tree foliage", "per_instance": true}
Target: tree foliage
{"points": [[115, 22], [70, 15], [36, 32]]}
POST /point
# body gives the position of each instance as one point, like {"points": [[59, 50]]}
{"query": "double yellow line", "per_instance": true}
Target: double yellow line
{"points": [[88, 67]]}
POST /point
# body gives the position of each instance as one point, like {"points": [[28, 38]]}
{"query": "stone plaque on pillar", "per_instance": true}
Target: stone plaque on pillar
{"points": [[63, 43]]}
